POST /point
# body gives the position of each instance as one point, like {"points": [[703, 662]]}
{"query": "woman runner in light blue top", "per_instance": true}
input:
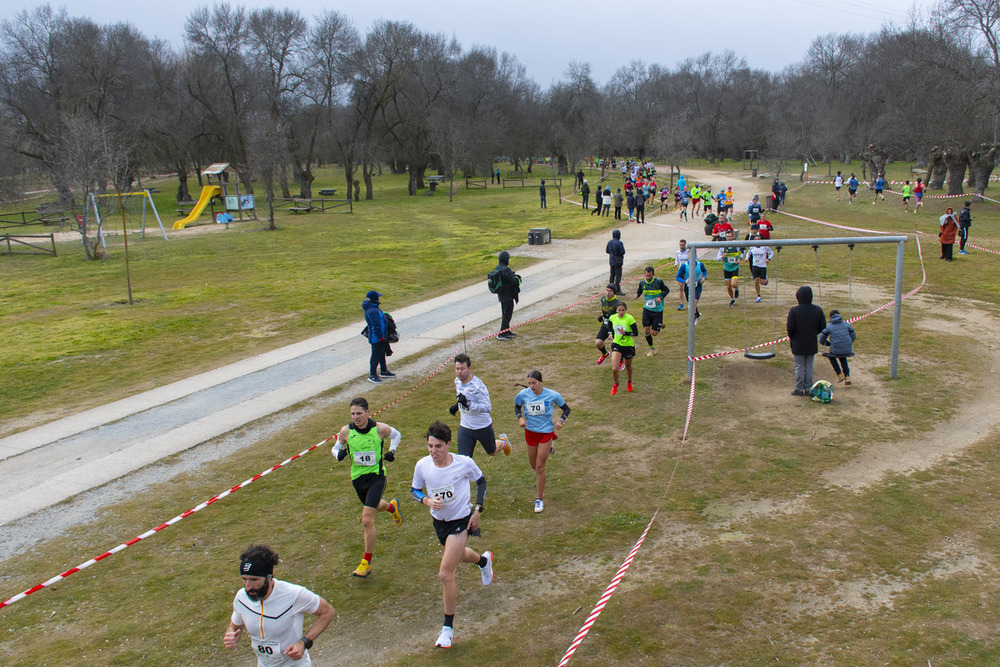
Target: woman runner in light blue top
{"points": [[533, 407]]}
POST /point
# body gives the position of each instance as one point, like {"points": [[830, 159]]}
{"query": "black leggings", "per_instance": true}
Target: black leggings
{"points": [[837, 367]]}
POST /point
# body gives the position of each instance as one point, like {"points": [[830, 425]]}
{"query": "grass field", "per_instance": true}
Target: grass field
{"points": [[788, 532]]}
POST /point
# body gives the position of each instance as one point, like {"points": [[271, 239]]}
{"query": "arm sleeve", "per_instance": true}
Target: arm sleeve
{"points": [[394, 439], [479, 397], [340, 450], [481, 490], [635, 331], [565, 411], [517, 410], [417, 494]]}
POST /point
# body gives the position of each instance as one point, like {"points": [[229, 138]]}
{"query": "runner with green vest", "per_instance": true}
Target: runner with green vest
{"points": [[363, 440], [730, 257], [609, 304], [695, 200], [653, 291], [623, 348]]}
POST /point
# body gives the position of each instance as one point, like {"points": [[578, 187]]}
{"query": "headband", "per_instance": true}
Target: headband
{"points": [[250, 568]]}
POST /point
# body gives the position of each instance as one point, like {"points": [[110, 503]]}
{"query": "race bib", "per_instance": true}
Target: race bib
{"points": [[650, 304], [445, 494], [536, 408], [619, 330], [268, 652], [368, 458]]}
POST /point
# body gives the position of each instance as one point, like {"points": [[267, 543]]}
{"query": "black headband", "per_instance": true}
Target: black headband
{"points": [[250, 568]]}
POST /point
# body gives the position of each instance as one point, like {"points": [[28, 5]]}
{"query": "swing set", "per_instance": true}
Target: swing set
{"points": [[850, 242]]}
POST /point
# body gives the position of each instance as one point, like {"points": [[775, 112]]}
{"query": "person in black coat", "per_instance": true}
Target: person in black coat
{"points": [[508, 293], [616, 258], [805, 322]]}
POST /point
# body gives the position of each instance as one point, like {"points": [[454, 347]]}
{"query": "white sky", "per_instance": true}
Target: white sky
{"points": [[546, 35]]}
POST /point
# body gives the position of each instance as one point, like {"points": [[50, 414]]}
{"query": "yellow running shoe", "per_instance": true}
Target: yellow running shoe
{"points": [[363, 570], [397, 518]]}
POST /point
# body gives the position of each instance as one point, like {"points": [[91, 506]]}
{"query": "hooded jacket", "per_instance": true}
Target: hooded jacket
{"points": [[616, 249], [375, 321], [805, 322], [509, 287], [840, 336]]}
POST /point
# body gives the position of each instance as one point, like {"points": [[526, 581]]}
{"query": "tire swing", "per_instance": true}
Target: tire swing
{"points": [[760, 356]]}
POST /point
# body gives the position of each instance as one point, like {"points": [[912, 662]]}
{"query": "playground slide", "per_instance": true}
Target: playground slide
{"points": [[207, 193]]}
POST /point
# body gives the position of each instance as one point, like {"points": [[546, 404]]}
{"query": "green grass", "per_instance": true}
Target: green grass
{"points": [[753, 558]]}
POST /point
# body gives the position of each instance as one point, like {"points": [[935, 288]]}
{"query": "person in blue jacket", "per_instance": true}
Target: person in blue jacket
{"points": [[701, 275], [840, 336], [616, 258], [377, 331]]}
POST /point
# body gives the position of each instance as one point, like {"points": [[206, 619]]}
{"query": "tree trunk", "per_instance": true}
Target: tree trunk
{"points": [[411, 185], [957, 161], [304, 177], [563, 165], [183, 194], [283, 181], [366, 172], [937, 170], [981, 164]]}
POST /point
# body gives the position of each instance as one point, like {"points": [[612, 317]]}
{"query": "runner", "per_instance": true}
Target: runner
{"points": [[652, 290], [918, 194], [681, 258], [682, 277], [755, 210], [695, 200], [852, 189], [759, 256], [363, 440], [473, 400], [838, 183], [730, 203], [730, 257], [879, 186], [446, 477], [764, 228], [276, 636], [609, 305], [907, 191], [537, 403], [623, 347], [685, 199]]}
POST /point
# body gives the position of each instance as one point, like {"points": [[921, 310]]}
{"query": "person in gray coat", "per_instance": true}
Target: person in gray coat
{"points": [[840, 336]]}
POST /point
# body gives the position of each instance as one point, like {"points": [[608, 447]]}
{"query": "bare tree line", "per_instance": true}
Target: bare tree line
{"points": [[277, 94]]}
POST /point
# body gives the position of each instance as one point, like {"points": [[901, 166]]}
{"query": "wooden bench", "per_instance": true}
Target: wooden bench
{"points": [[300, 209], [327, 192]]}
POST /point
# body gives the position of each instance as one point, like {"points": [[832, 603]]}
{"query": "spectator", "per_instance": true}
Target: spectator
{"points": [[377, 331], [805, 322], [616, 258]]}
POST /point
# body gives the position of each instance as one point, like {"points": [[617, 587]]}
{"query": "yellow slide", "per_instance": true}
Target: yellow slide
{"points": [[207, 193]]}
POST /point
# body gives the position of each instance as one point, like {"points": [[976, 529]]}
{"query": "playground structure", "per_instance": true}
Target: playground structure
{"points": [[221, 182], [122, 201]]}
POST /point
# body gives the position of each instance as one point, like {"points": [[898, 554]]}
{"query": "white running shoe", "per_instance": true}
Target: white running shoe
{"points": [[539, 506], [445, 637], [487, 572]]}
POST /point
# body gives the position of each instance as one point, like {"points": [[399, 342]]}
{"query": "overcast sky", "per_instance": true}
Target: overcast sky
{"points": [[545, 36]]}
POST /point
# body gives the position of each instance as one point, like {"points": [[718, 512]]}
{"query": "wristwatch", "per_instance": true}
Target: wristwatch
{"points": [[479, 508], [306, 642]]}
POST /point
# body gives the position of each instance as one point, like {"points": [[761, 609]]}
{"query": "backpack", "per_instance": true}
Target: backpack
{"points": [[822, 391], [965, 217], [494, 281]]}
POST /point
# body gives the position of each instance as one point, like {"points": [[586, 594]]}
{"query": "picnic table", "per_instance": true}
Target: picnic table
{"points": [[327, 192]]}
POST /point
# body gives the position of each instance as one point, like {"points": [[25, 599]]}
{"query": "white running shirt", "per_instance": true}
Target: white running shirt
{"points": [[450, 484], [477, 415], [275, 623]]}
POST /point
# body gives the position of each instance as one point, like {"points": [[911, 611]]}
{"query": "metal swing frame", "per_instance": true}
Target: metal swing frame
{"points": [[777, 244]]}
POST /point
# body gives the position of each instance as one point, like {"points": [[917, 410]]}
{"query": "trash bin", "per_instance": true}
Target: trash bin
{"points": [[753, 172], [540, 235], [531, 237]]}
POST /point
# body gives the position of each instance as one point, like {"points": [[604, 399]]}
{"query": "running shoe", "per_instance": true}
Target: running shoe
{"points": [[486, 572], [603, 357], [652, 352], [445, 637], [732, 302], [697, 318], [614, 389], [363, 570], [397, 518], [552, 448], [375, 379], [757, 300], [506, 444], [680, 306], [539, 506], [628, 387], [960, 252], [387, 374], [621, 366]]}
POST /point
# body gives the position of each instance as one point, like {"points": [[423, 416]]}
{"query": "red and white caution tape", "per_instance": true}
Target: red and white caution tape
{"points": [[162, 526]]}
